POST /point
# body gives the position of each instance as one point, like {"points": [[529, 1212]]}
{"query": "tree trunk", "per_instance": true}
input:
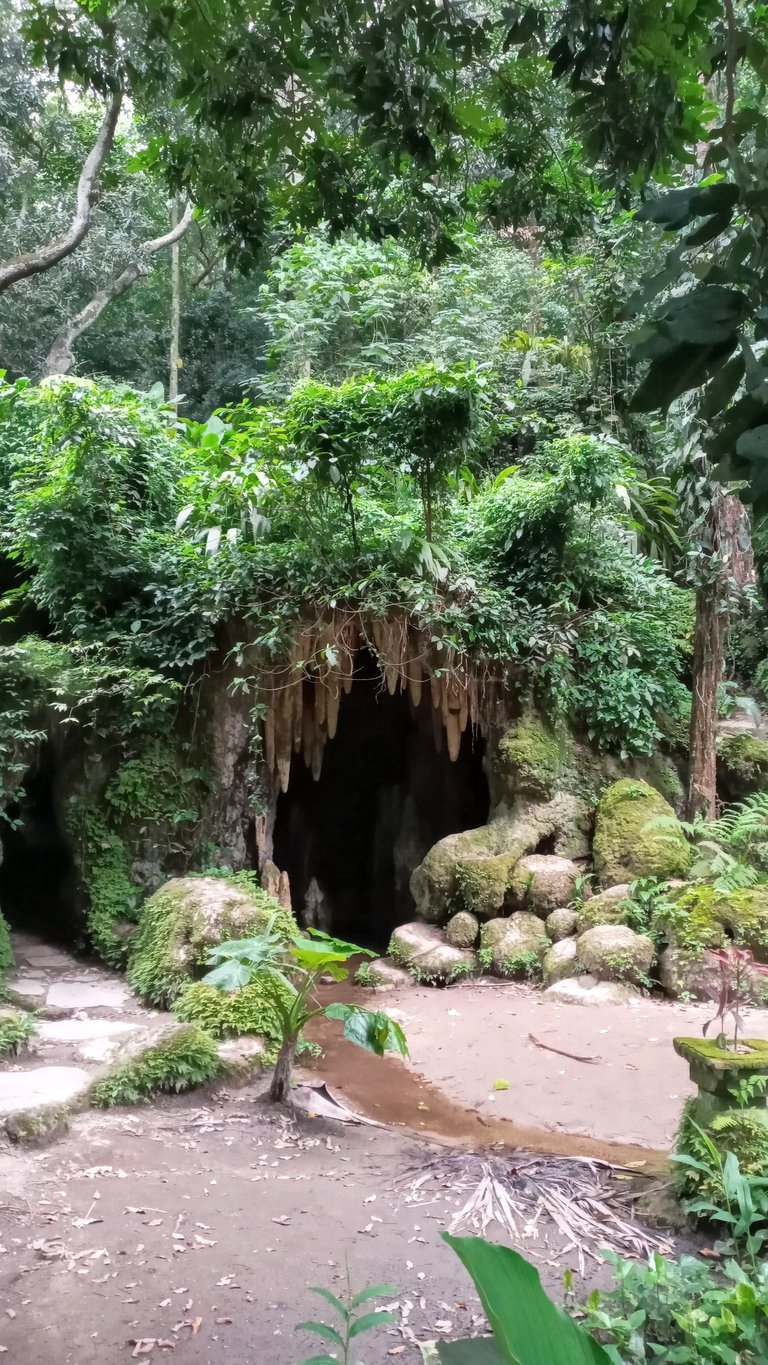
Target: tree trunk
{"points": [[708, 656], [731, 551], [60, 358], [281, 1081], [39, 260], [173, 372]]}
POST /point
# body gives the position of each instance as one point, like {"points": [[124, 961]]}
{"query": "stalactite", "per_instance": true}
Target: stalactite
{"points": [[303, 699]]}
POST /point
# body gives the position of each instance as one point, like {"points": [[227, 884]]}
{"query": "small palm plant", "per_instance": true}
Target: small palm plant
{"points": [[297, 969]]}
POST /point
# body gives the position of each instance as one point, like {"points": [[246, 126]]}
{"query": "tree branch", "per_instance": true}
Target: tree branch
{"points": [[40, 259], [731, 56], [60, 358]]}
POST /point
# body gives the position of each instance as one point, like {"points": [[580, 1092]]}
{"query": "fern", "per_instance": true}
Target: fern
{"points": [[732, 851]]}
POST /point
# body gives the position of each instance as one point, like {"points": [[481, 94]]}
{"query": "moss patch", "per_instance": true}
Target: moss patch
{"points": [[232, 1013], [531, 759], [630, 839], [699, 917], [36, 1127], [105, 876], [6, 951], [16, 1029], [186, 1059], [184, 919], [743, 764], [483, 883]]}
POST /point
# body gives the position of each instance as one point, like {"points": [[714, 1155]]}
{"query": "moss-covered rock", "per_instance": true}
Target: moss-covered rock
{"points": [[423, 950], [700, 918], [180, 1059], [561, 924], [184, 920], [531, 759], [483, 883], [742, 765], [561, 960], [607, 907], [612, 952], [542, 882], [226, 1014], [462, 930], [6, 951], [513, 947], [630, 842]]}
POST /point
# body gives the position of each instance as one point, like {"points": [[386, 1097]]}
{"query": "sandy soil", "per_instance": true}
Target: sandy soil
{"points": [[205, 1226], [464, 1040]]}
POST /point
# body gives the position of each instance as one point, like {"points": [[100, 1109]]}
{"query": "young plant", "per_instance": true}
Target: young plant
{"points": [[743, 1208], [737, 966], [299, 966], [351, 1323]]}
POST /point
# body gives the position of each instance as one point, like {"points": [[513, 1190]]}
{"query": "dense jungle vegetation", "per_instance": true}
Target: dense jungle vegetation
{"points": [[449, 311]]}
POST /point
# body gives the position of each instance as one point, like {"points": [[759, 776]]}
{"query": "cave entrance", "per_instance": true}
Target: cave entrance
{"points": [[37, 874], [386, 792]]}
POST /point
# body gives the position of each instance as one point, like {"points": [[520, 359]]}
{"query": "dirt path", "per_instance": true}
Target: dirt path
{"points": [[204, 1226], [624, 1105]]}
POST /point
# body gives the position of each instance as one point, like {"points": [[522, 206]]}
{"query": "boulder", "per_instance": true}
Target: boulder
{"points": [[462, 930], [423, 950], [561, 924], [742, 765], [514, 946], [185, 919], [484, 883], [384, 975], [607, 907], [684, 976], [586, 990], [612, 952], [630, 842], [542, 882], [561, 960], [531, 759]]}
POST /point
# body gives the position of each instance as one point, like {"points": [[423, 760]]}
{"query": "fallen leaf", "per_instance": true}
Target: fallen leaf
{"points": [[164, 1303], [204, 1241], [153, 1222], [395, 1350], [196, 1324], [166, 1344], [10, 1312], [284, 1219], [501, 1085], [143, 1345], [220, 1322]]}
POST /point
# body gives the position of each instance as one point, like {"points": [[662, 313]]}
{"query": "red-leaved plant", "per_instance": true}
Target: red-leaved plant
{"points": [[737, 967]]}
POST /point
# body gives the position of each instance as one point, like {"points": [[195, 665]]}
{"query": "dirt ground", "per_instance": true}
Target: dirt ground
{"points": [[621, 1090], [204, 1226]]}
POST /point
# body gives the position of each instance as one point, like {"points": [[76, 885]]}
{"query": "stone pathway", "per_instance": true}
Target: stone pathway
{"points": [[85, 1014]]}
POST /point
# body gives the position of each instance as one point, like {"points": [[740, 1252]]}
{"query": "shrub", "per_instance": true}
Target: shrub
{"points": [[249, 1010], [186, 1059], [16, 1029]]}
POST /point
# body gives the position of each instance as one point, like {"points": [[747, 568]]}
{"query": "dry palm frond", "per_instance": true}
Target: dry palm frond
{"points": [[525, 1195]]}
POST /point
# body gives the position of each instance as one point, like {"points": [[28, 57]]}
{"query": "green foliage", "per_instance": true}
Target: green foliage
{"points": [[297, 968], [681, 1312], [6, 951], [721, 1173], [173, 941], [352, 1323], [105, 876], [528, 1328], [526, 964], [180, 1062], [251, 1009], [16, 1029], [153, 786]]}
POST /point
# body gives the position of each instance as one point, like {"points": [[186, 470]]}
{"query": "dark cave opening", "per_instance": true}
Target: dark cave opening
{"points": [[350, 840], [37, 875]]}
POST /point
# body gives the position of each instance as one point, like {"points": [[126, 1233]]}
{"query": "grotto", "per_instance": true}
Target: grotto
{"points": [[37, 865], [350, 837]]}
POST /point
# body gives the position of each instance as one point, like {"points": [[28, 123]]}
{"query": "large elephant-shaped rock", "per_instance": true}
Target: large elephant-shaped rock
{"points": [[637, 834]]}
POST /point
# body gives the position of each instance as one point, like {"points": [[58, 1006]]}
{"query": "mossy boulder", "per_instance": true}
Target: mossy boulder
{"points": [[561, 924], [176, 1058], [484, 883], [613, 952], [742, 765], [607, 907], [184, 920], [542, 882], [423, 950], [515, 946], [227, 1014], [531, 759], [630, 842], [702, 918], [436, 886], [561, 960], [462, 930]]}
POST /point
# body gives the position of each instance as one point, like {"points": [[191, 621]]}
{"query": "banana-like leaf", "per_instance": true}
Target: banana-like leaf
{"points": [[469, 1351], [528, 1328]]}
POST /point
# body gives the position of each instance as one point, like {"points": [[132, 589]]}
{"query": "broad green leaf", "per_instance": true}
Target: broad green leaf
{"points": [[469, 1351], [331, 1299], [369, 1029], [686, 367], [707, 315], [229, 976], [528, 1328], [753, 445]]}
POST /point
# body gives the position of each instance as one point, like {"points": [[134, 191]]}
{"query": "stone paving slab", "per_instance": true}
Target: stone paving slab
{"points": [[88, 995], [82, 1030], [44, 1085]]}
